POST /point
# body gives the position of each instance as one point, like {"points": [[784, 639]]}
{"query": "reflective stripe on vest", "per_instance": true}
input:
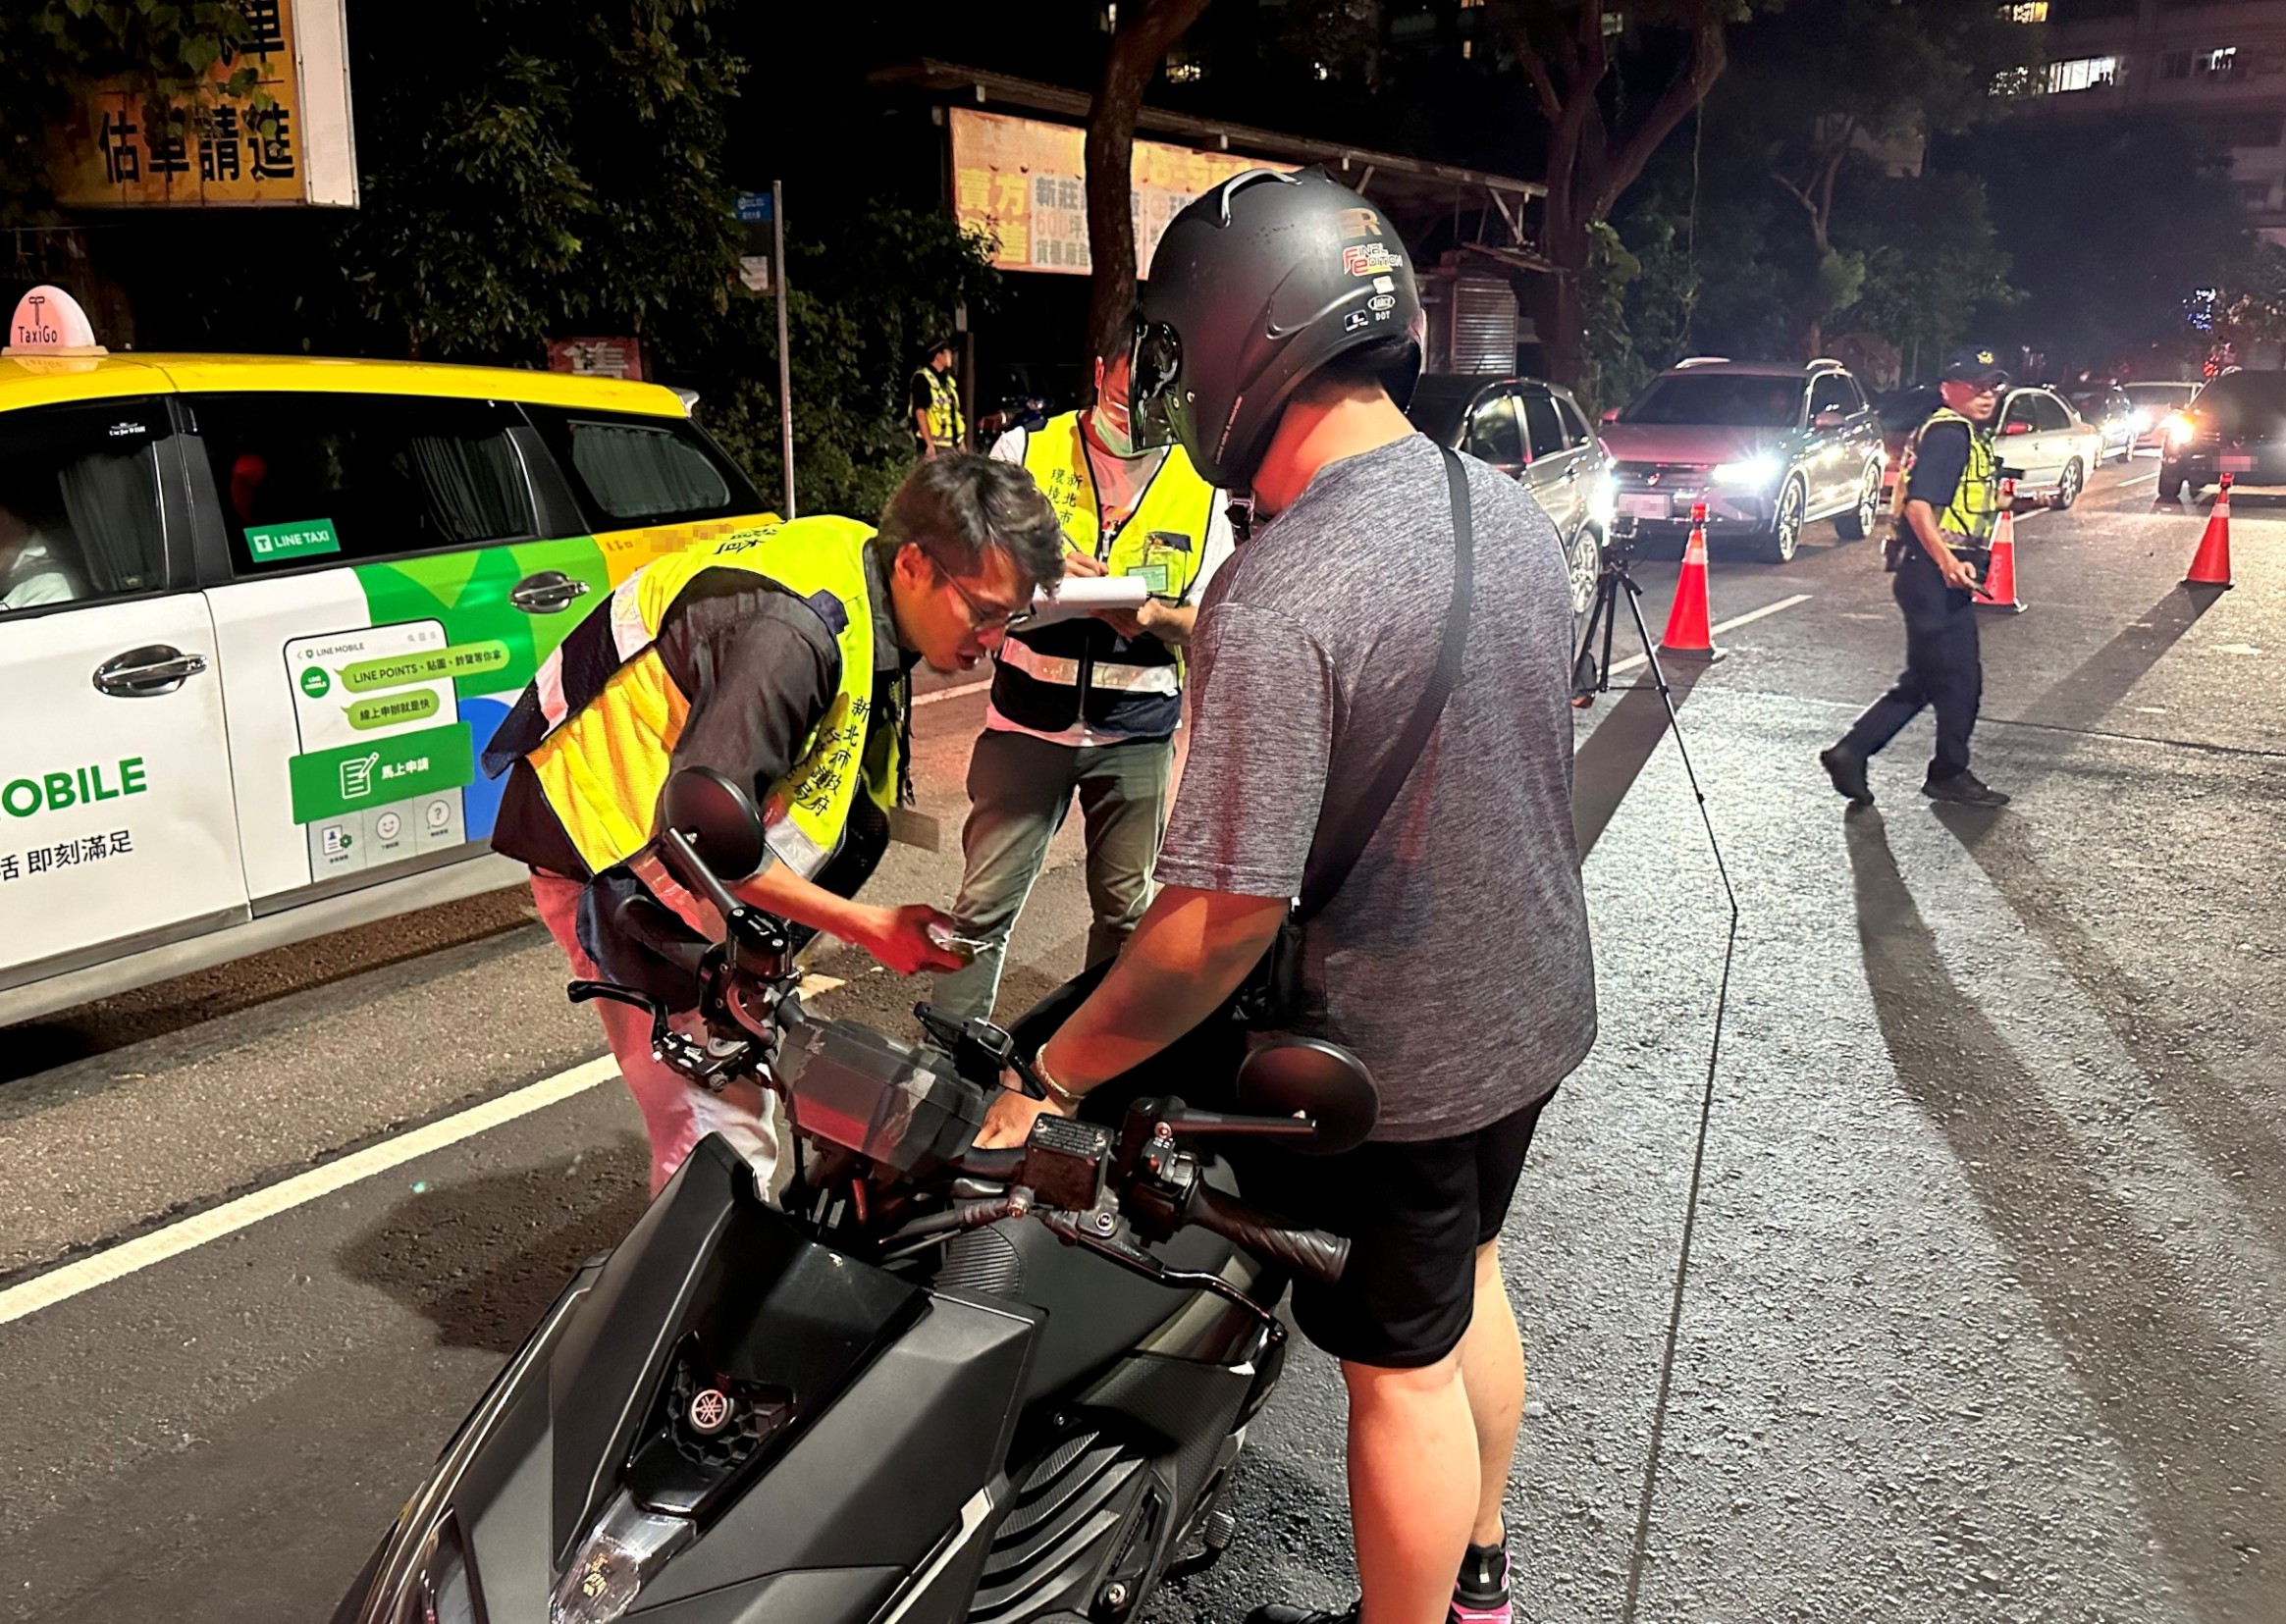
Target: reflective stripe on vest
{"points": [[600, 723], [1974, 512], [1065, 673], [945, 425]]}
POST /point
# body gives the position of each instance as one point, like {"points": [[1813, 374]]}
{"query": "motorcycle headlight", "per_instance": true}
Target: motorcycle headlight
{"points": [[626, 1547], [1753, 473]]}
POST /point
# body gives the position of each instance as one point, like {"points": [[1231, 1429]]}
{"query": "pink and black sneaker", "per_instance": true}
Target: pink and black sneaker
{"points": [[1480, 1595]]}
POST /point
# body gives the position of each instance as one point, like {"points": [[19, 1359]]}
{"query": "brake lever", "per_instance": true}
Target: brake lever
{"points": [[1080, 1229], [993, 1044]]}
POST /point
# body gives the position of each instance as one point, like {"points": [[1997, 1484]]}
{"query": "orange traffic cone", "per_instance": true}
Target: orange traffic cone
{"points": [[1688, 634], [2212, 566], [1999, 589]]}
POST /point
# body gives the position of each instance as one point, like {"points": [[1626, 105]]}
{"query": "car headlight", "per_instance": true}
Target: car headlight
{"points": [[1754, 472], [2180, 429], [2140, 419]]}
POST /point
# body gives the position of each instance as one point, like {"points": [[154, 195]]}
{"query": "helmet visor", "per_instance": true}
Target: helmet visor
{"points": [[1155, 367]]}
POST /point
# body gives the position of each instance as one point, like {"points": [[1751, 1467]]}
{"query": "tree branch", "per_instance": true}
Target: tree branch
{"points": [[1709, 55], [1518, 31]]}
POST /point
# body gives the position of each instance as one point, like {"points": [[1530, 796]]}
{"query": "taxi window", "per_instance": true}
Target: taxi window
{"points": [[79, 504], [630, 470], [316, 479]]}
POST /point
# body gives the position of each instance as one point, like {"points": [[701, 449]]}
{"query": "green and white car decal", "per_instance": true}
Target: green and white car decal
{"points": [[391, 715]]}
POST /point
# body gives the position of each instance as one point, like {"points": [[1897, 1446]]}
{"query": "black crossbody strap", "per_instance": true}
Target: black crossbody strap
{"points": [[1342, 846]]}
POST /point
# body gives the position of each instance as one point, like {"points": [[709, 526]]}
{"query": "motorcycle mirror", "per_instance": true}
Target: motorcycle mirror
{"points": [[1307, 1075], [717, 817]]}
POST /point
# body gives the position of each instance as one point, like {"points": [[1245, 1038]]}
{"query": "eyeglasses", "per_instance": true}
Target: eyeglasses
{"points": [[983, 616]]}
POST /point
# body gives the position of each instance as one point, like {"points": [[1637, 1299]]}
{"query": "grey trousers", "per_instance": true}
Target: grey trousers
{"points": [[1020, 789]]}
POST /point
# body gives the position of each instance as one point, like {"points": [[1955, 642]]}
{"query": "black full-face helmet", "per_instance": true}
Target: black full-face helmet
{"points": [[1255, 286]]}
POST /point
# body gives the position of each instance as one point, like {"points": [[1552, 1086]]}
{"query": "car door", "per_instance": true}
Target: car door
{"points": [[2018, 442], [1829, 470], [2063, 436], [118, 829], [1554, 471], [1494, 435], [384, 590]]}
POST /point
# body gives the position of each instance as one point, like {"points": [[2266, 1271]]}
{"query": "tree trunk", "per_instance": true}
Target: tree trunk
{"points": [[1563, 52], [1146, 29]]}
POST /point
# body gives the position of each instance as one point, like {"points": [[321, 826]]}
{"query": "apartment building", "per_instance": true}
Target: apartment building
{"points": [[2218, 64]]}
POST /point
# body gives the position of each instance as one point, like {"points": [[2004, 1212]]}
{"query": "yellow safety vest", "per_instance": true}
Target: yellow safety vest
{"points": [[607, 715], [1176, 503], [946, 426], [1973, 511], [1050, 677]]}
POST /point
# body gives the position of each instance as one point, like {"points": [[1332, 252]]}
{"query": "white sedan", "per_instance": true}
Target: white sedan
{"points": [[2049, 445]]}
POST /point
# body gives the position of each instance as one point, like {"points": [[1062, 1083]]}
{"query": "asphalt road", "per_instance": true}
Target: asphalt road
{"points": [[1984, 1315]]}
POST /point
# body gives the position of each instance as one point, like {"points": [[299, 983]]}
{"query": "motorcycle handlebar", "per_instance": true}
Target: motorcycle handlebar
{"points": [[1311, 1252]]}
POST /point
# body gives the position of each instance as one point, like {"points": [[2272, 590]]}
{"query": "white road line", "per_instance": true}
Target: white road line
{"points": [[1722, 626], [132, 1256], [931, 698]]}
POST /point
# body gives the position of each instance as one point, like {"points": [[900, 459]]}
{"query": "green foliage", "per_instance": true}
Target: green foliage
{"points": [[2108, 227], [52, 51], [1931, 261], [869, 291], [558, 167]]}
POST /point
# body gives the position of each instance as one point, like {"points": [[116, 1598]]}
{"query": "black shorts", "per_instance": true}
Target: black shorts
{"points": [[1416, 1213]]}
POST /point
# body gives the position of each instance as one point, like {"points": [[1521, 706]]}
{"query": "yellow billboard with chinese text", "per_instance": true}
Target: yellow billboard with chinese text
{"points": [[292, 144], [1022, 183]]}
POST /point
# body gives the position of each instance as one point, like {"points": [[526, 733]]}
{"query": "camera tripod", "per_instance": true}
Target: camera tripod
{"points": [[1591, 671]]}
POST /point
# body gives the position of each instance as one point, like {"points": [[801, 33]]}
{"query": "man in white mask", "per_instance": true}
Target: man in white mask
{"points": [[1086, 707]]}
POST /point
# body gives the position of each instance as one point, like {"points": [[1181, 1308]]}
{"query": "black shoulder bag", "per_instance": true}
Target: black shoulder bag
{"points": [[1270, 997]]}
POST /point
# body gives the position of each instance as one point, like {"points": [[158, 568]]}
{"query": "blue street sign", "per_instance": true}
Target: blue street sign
{"points": [[753, 208]]}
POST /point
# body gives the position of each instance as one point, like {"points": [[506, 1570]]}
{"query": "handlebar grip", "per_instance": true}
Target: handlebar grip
{"points": [[1311, 1252]]}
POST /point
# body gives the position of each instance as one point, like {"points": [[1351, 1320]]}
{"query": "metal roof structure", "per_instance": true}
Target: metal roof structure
{"points": [[1398, 183]]}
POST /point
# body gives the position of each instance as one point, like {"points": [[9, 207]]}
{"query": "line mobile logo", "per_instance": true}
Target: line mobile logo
{"points": [[72, 787]]}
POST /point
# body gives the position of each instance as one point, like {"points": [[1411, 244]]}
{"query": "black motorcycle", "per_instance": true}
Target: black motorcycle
{"points": [[933, 1384]]}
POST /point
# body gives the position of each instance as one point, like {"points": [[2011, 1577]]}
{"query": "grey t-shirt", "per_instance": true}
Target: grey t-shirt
{"points": [[1455, 962]]}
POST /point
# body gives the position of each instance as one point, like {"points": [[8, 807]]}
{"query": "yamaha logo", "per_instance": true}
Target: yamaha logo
{"points": [[710, 1412]]}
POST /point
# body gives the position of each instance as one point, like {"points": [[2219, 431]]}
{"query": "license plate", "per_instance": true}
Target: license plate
{"points": [[1644, 504], [2238, 464]]}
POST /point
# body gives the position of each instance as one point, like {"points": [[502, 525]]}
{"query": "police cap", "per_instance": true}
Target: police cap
{"points": [[1975, 364]]}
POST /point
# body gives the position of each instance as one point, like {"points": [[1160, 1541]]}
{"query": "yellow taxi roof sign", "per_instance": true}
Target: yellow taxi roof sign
{"points": [[48, 322]]}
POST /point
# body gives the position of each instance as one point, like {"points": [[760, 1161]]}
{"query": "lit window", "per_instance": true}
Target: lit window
{"points": [[2027, 10], [2087, 73], [2219, 63], [1184, 73]]}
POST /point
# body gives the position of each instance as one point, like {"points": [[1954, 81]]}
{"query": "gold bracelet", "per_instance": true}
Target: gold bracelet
{"points": [[1054, 1090]]}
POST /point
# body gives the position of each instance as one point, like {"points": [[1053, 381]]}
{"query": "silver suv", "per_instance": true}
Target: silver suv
{"points": [[1534, 433], [1768, 445]]}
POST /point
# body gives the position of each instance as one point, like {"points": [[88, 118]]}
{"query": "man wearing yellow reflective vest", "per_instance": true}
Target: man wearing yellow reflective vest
{"points": [[1086, 707], [779, 657], [935, 402], [1947, 505]]}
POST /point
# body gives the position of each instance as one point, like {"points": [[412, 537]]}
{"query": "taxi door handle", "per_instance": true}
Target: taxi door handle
{"points": [[147, 672], [549, 592]]}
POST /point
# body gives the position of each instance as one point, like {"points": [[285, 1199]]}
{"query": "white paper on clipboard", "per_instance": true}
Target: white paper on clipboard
{"points": [[1080, 595]]}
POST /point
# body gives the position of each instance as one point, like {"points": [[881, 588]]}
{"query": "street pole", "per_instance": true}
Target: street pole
{"points": [[777, 218]]}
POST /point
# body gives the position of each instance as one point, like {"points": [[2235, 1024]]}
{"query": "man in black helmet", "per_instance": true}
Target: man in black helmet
{"points": [[1281, 329]]}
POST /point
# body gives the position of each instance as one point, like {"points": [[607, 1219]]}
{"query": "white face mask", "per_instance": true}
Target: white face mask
{"points": [[1113, 431]]}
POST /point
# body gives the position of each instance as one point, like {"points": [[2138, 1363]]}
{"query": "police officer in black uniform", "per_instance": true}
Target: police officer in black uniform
{"points": [[1947, 505]]}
